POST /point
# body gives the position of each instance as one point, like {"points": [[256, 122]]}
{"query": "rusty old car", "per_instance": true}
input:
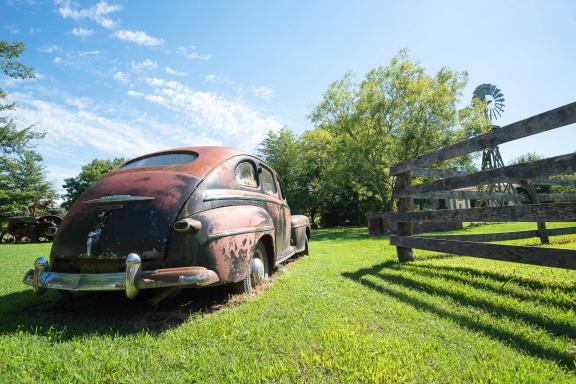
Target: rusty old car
{"points": [[187, 217]]}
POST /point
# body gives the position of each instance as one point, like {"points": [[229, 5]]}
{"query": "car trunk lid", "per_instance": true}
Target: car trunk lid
{"points": [[124, 212]]}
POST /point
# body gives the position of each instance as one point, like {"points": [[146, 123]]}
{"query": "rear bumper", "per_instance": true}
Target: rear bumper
{"points": [[130, 281]]}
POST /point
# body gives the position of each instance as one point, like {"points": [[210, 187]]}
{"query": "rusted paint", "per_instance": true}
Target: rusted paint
{"points": [[233, 217]]}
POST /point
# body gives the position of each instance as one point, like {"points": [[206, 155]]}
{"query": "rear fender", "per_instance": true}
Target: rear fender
{"points": [[225, 242], [300, 232]]}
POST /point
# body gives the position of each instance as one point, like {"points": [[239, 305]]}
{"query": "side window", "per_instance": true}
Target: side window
{"points": [[268, 181], [246, 174]]}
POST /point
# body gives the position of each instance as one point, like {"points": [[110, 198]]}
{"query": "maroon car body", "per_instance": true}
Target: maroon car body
{"points": [[186, 217]]}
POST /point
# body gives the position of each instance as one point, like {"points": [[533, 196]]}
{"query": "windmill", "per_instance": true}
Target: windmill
{"points": [[494, 100]]}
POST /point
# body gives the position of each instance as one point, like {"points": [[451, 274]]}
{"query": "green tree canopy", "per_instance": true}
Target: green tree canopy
{"points": [[340, 170], [13, 140], [24, 189], [23, 186], [90, 173]]}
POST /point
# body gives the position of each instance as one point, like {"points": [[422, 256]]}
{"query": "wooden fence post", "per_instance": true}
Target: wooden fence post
{"points": [[405, 228], [531, 192]]}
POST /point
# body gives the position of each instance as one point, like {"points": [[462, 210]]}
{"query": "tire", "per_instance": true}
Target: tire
{"points": [[7, 238], [258, 271]]}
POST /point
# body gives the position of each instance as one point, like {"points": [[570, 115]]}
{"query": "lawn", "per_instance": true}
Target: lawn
{"points": [[347, 313]]}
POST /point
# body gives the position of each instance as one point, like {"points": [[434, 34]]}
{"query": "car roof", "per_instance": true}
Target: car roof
{"points": [[208, 158]]}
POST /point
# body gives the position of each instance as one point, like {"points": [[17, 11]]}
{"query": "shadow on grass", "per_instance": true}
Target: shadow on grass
{"points": [[499, 286], [394, 287], [105, 313]]}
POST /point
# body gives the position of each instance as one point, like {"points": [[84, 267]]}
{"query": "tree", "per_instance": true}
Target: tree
{"points": [[23, 186], [24, 189], [90, 173], [525, 158], [396, 113], [13, 140]]}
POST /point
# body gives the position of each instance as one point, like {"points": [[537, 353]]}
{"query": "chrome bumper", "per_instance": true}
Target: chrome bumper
{"points": [[130, 281]]}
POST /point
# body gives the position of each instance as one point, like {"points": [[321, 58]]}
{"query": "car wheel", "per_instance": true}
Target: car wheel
{"points": [[8, 238], [258, 271]]}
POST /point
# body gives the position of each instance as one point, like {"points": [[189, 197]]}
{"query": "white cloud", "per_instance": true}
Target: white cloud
{"points": [[121, 77], [212, 77], [35, 30], [191, 53], [81, 32], [57, 60], [98, 13], [228, 119], [174, 72], [50, 49], [14, 30], [138, 37], [83, 53], [146, 65], [262, 92], [80, 130]]}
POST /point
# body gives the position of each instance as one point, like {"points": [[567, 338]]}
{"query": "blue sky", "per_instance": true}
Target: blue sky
{"points": [[123, 78]]}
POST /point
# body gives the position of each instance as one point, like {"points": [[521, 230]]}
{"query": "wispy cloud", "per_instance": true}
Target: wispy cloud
{"points": [[146, 65], [81, 32], [262, 92], [228, 119], [50, 49], [212, 77], [138, 37], [78, 130], [12, 29], [192, 53], [172, 71], [121, 76], [99, 13]]}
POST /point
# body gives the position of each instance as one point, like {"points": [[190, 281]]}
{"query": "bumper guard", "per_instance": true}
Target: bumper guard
{"points": [[131, 281]]}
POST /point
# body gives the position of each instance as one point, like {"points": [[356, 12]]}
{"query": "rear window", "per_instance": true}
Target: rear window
{"points": [[162, 159]]}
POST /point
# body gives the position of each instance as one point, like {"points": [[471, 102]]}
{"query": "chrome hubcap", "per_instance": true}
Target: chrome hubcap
{"points": [[257, 273]]}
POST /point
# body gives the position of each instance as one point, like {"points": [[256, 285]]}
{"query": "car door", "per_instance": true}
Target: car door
{"points": [[286, 211], [275, 207]]}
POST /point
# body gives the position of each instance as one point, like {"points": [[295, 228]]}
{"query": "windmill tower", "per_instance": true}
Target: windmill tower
{"points": [[491, 158]]}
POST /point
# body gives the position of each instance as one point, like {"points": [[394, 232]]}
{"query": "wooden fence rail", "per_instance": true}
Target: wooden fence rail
{"points": [[529, 206]]}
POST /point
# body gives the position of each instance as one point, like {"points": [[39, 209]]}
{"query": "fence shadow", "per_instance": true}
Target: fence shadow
{"points": [[395, 285]]}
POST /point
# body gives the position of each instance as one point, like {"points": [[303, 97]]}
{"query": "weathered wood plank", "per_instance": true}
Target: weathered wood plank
{"points": [[568, 196], [536, 124], [565, 183], [502, 236], [556, 212], [500, 196], [433, 172], [546, 167], [548, 257], [405, 204]]}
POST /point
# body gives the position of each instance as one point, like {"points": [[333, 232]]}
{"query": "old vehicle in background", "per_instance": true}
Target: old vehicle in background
{"points": [[190, 217], [27, 229]]}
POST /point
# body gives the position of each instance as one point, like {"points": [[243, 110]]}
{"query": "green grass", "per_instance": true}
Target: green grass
{"points": [[347, 313]]}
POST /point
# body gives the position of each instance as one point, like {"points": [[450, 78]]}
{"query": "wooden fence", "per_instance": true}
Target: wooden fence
{"points": [[456, 184]]}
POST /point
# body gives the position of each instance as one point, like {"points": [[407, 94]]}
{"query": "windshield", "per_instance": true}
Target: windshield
{"points": [[162, 159]]}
